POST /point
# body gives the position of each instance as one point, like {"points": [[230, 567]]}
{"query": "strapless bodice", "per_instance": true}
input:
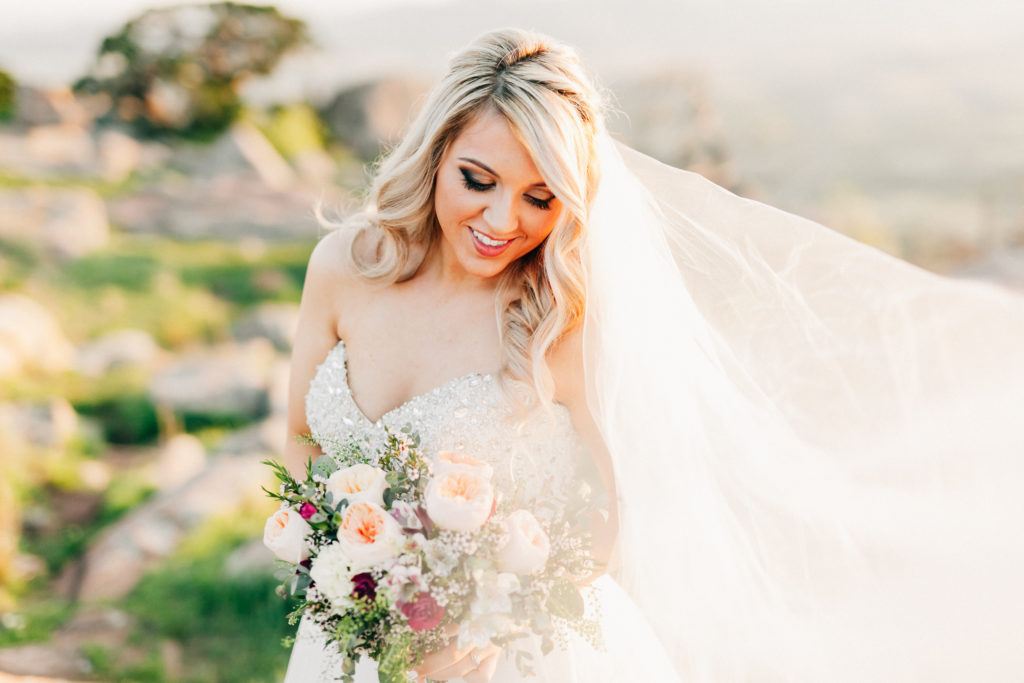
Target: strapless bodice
{"points": [[533, 462]]}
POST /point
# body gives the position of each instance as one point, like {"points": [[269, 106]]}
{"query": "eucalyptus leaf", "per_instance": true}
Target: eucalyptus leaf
{"points": [[565, 600], [317, 517], [325, 466]]}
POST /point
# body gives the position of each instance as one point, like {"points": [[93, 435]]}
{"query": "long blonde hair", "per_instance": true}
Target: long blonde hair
{"points": [[538, 86]]}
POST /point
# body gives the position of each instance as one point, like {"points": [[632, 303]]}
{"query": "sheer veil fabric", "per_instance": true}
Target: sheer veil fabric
{"points": [[817, 447]]}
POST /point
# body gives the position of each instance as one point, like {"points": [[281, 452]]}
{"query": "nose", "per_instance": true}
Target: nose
{"points": [[500, 214]]}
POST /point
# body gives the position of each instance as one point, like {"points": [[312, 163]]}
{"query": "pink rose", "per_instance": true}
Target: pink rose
{"points": [[422, 611], [358, 483], [459, 501], [369, 535], [526, 547], [453, 461], [285, 534]]}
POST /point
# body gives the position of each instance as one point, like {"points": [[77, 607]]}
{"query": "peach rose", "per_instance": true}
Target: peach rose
{"points": [[369, 535], [453, 461], [459, 501], [358, 483], [285, 534], [526, 547]]}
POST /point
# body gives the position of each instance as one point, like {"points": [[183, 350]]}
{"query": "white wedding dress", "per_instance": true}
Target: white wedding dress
{"points": [[469, 414]]}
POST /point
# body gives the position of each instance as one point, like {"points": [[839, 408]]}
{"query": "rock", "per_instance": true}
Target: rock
{"points": [[34, 107], [30, 338], [119, 155], [267, 437], [66, 222], [280, 380], [64, 147], [57, 661], [370, 116], [672, 116], [127, 347], [200, 207], [230, 380], [275, 322], [47, 425], [181, 458], [252, 557], [99, 625], [123, 553], [55, 106]]}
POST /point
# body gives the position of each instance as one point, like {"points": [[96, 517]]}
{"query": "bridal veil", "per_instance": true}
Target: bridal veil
{"points": [[818, 448]]}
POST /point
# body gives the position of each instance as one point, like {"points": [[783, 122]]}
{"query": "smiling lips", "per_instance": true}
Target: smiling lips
{"points": [[487, 246]]}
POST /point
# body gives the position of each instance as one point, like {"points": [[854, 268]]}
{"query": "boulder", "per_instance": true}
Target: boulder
{"points": [[49, 424], [275, 322], [180, 459], [252, 557], [65, 222], [126, 347], [229, 206], [231, 380], [30, 338], [371, 116], [124, 552]]}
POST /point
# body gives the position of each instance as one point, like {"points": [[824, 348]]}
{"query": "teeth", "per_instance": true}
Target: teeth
{"points": [[487, 240]]}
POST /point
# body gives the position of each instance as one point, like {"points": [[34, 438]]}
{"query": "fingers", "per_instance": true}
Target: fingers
{"points": [[463, 664], [485, 672], [436, 663]]}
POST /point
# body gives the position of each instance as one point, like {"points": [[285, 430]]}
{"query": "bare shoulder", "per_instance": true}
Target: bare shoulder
{"points": [[565, 360]]}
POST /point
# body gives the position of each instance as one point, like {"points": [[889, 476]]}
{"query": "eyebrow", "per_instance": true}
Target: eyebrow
{"points": [[540, 185]]}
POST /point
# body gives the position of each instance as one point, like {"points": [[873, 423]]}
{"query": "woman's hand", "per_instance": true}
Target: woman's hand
{"points": [[473, 664]]}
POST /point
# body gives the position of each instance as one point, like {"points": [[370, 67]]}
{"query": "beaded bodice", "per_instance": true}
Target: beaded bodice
{"points": [[533, 462]]}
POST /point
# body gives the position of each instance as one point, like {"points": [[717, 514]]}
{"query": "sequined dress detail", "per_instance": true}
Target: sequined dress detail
{"points": [[532, 462]]}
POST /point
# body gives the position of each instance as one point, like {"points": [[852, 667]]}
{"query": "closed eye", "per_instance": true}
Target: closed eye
{"points": [[472, 183], [544, 204]]}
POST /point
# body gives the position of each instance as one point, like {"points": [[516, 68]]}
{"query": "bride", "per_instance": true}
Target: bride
{"points": [[811, 449]]}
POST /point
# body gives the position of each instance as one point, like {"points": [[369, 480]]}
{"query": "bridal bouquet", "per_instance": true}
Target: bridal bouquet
{"points": [[386, 552]]}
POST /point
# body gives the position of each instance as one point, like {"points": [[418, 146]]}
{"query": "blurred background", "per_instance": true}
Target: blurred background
{"points": [[159, 165]]}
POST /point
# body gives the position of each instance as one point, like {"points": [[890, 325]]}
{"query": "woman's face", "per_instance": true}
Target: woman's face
{"points": [[491, 202]]}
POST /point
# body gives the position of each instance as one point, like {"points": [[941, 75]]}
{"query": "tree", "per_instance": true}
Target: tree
{"points": [[177, 70], [7, 96]]}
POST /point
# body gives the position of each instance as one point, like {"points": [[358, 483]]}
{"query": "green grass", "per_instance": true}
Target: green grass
{"points": [[34, 623], [126, 490], [229, 627]]}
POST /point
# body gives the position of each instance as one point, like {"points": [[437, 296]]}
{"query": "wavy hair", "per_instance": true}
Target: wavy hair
{"points": [[538, 86]]}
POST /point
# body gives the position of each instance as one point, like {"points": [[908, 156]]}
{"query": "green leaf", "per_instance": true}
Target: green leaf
{"points": [[389, 497], [565, 600], [392, 665], [324, 466]]}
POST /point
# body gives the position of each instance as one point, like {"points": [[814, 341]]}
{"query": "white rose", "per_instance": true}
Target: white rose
{"points": [[369, 535], [459, 501], [285, 534], [494, 592], [358, 483], [333, 576], [526, 547], [453, 461]]}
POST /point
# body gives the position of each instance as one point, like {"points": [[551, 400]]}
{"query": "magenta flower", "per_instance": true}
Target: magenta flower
{"points": [[423, 612], [363, 586], [307, 510]]}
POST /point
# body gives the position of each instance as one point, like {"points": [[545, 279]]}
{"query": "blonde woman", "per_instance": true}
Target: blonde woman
{"points": [[775, 412]]}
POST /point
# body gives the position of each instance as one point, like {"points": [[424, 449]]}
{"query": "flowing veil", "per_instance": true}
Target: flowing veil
{"points": [[818, 448]]}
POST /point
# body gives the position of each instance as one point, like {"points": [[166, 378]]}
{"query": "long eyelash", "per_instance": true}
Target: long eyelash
{"points": [[471, 184], [475, 186], [539, 203]]}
